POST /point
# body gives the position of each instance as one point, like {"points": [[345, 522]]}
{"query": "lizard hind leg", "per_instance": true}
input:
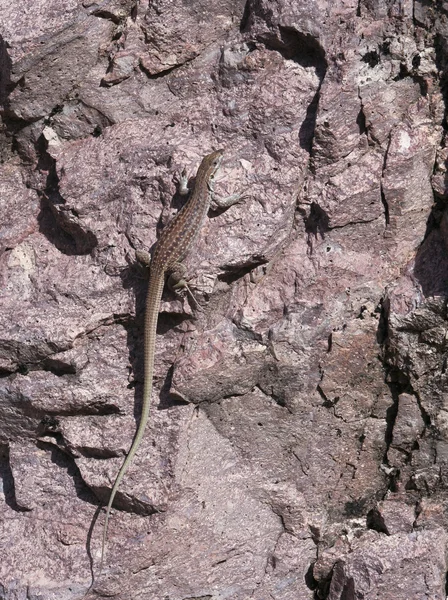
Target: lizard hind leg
{"points": [[177, 282]]}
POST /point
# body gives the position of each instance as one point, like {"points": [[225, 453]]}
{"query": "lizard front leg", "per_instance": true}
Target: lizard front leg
{"points": [[143, 257], [222, 203], [183, 183]]}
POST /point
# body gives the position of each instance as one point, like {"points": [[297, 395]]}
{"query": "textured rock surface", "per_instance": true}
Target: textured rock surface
{"points": [[298, 444]]}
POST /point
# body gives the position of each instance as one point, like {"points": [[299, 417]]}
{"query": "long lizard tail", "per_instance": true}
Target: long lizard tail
{"points": [[155, 289]]}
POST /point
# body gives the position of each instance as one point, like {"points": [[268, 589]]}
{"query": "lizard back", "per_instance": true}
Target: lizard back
{"points": [[180, 234]]}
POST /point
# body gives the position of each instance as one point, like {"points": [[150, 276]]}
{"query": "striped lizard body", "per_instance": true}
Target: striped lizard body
{"points": [[174, 244]]}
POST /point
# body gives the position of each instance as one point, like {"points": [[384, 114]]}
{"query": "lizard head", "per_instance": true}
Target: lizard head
{"points": [[211, 163]]}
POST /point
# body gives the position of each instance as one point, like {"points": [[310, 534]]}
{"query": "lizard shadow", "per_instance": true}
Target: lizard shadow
{"points": [[7, 479], [136, 277]]}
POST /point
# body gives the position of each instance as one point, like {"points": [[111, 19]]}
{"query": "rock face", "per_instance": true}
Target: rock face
{"points": [[298, 442]]}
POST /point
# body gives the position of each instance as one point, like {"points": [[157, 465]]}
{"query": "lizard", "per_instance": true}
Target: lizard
{"points": [[174, 243]]}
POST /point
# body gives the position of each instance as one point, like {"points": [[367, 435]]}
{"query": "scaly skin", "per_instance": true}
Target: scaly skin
{"points": [[174, 244]]}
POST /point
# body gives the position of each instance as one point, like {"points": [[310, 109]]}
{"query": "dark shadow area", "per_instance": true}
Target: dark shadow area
{"points": [[310, 582], [384, 201], [348, 593], [306, 131], [371, 58], [49, 427], [307, 52], [58, 226], [169, 399], [361, 122], [7, 478], [5, 71], [235, 272], [245, 17], [6, 137], [382, 332], [58, 366], [431, 262], [391, 413], [302, 48], [68, 238], [89, 547], [136, 277], [441, 50], [376, 522], [398, 383], [11, 122], [316, 223], [356, 508], [413, 74], [66, 462]]}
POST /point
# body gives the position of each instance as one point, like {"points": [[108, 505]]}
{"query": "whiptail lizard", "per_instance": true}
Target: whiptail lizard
{"points": [[174, 244]]}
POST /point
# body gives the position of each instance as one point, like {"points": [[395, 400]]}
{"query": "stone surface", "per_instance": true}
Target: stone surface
{"points": [[372, 561], [298, 442]]}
